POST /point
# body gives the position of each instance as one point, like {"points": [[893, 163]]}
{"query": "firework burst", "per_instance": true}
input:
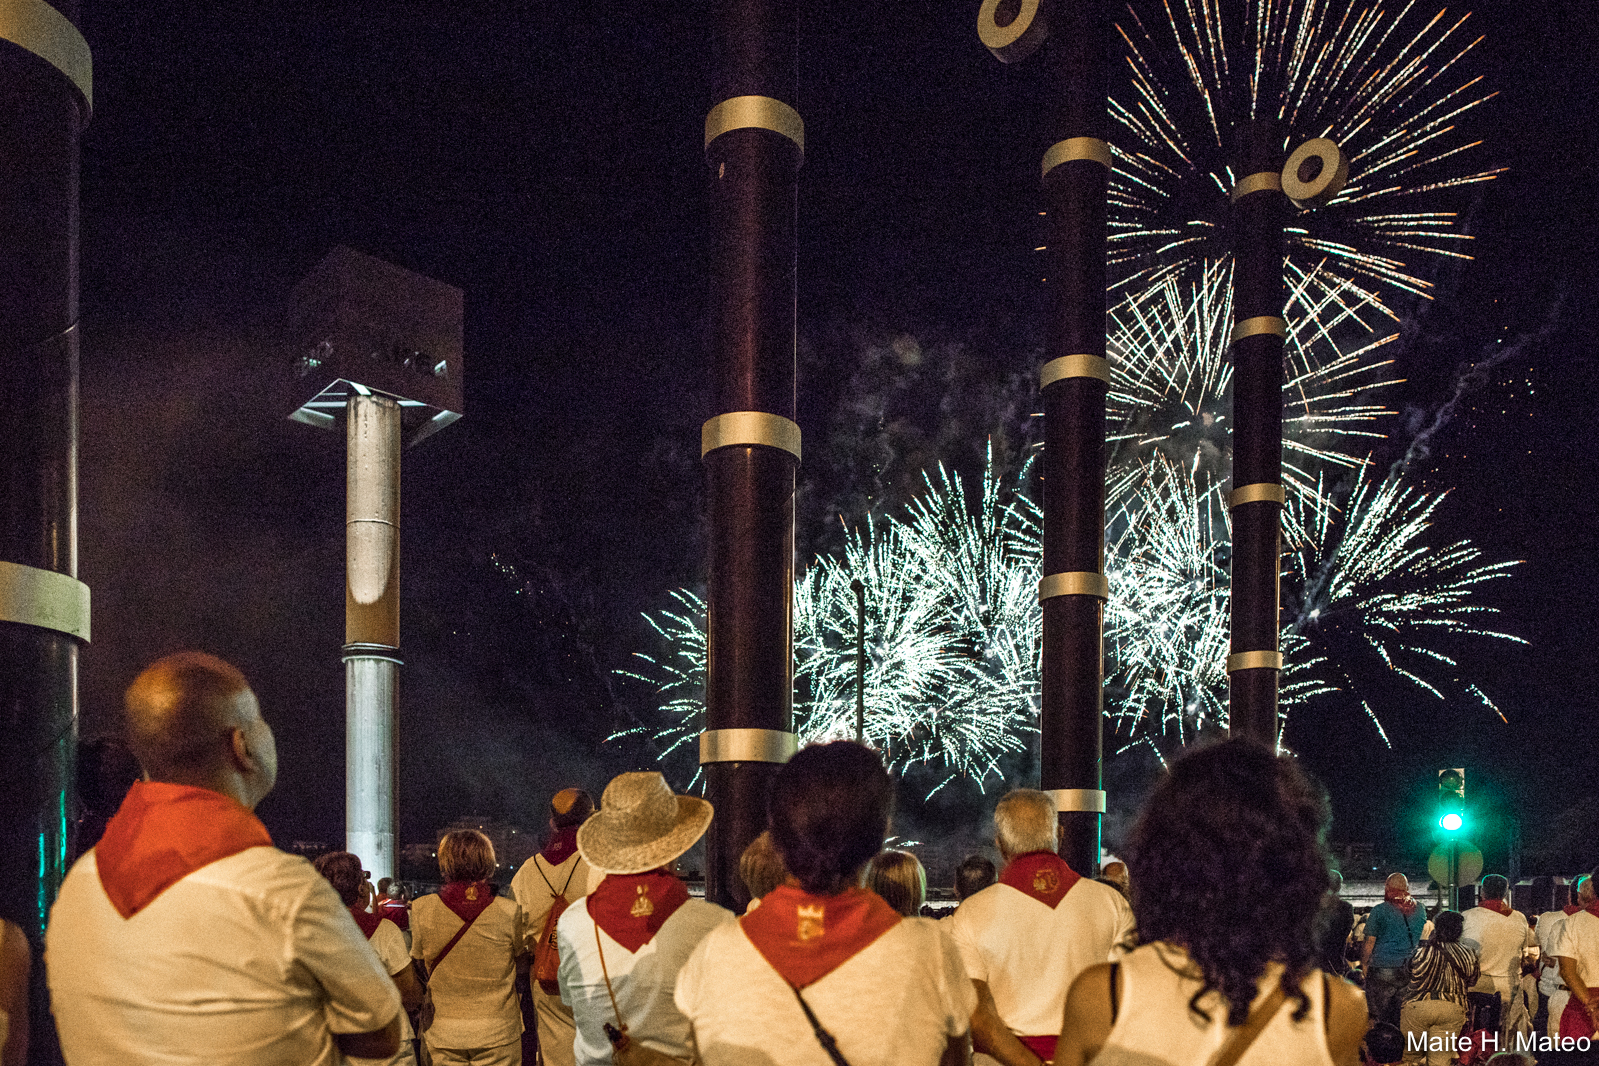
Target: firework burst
{"points": [[1384, 81]]}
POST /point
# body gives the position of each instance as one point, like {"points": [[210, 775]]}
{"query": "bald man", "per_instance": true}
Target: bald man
{"points": [[1393, 930], [184, 936]]}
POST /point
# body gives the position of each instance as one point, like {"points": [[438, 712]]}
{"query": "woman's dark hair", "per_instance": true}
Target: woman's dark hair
{"points": [[1447, 927], [829, 810], [342, 870], [1229, 861]]}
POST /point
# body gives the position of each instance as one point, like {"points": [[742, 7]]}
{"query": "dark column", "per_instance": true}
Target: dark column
{"points": [[754, 145], [1074, 380], [44, 610], [1256, 501]]}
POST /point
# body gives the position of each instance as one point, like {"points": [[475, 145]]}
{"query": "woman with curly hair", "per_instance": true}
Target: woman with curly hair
{"points": [[1229, 868]]}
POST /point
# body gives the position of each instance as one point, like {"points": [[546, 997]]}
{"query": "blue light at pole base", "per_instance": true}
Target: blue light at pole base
{"points": [[1451, 822]]}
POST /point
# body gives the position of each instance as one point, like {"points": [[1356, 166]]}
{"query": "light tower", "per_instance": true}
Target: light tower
{"points": [[378, 348]]}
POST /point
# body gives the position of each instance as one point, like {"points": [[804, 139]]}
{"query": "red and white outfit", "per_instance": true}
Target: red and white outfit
{"points": [[1500, 934], [389, 943], [1578, 940], [890, 990], [476, 1014], [647, 927], [185, 937], [1030, 934], [1155, 1027], [557, 870]]}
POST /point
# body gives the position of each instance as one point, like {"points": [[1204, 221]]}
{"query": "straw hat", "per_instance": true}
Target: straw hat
{"points": [[641, 825]]}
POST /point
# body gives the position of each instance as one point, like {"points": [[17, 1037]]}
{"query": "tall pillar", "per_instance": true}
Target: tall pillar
{"points": [[754, 145], [45, 95], [1074, 379], [1256, 501], [371, 628]]}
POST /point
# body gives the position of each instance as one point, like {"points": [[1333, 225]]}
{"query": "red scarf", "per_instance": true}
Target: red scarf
{"points": [[561, 846], [631, 908], [1042, 1046], [394, 910], [1498, 906], [367, 922], [1575, 1021], [163, 833], [1043, 875], [1404, 901], [806, 937], [467, 899], [1571, 909]]}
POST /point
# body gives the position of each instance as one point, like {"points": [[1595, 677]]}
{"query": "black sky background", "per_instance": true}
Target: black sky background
{"points": [[546, 159]]}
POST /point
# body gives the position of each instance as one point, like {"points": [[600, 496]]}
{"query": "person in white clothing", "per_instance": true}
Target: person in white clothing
{"points": [[183, 936], [1025, 938], [471, 943], [557, 872], [823, 962], [623, 944], [1577, 948], [1550, 986], [1229, 868], [1500, 934]]}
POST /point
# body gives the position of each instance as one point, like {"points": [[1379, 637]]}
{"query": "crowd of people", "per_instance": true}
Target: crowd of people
{"points": [[185, 937]]}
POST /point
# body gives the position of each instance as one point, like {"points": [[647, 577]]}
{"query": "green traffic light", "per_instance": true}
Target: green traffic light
{"points": [[1451, 822]]}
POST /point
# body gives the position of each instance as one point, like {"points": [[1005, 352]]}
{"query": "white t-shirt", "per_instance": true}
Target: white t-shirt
{"points": [[895, 1003], [533, 881], [251, 960], [389, 943], [1030, 953], [1154, 1026], [1579, 940], [644, 983], [1547, 930], [1500, 939], [474, 988]]}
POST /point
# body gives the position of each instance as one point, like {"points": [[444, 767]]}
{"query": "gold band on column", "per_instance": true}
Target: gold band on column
{"points": [[1085, 800], [1074, 583], [1074, 366], [749, 427], [39, 28], [1259, 492], [1265, 181], [759, 112], [1254, 660], [1090, 148], [1253, 327], [747, 745], [44, 598]]}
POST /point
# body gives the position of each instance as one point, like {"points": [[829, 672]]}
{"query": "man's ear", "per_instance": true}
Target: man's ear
{"points": [[239, 750]]}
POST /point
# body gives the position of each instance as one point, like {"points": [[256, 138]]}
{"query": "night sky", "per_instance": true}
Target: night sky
{"points": [[547, 159]]}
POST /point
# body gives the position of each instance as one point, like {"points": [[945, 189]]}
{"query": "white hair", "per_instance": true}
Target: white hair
{"points": [[1025, 822]]}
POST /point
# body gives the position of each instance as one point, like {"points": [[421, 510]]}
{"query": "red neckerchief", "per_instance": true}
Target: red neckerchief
{"points": [[1042, 1046], [1572, 908], [467, 899], [1043, 875], [631, 908], [394, 910], [561, 846], [806, 937], [162, 833], [1592, 908], [1404, 901], [367, 922], [1498, 906]]}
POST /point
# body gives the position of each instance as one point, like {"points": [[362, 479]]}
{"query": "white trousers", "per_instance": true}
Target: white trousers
{"points": [[557, 1029]]}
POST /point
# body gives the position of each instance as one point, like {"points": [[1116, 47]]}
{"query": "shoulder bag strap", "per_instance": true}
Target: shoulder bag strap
{"points": [[1233, 1050], [620, 1024], [823, 1037], [454, 940]]}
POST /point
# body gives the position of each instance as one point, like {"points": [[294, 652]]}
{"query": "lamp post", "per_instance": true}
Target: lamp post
{"points": [[379, 348]]}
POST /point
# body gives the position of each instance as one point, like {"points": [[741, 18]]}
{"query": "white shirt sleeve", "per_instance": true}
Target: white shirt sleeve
{"points": [[389, 943], [963, 936], [960, 998], [326, 941]]}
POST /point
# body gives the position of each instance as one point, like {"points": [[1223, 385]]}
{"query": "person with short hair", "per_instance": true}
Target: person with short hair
{"points": [[1442, 971], [760, 867], [899, 878], [1500, 934], [1384, 1045], [975, 873], [1334, 922], [342, 870], [184, 936], [1552, 991], [1025, 938], [1577, 948], [1229, 867], [623, 944], [471, 942], [1394, 930], [825, 964], [557, 872], [1114, 874]]}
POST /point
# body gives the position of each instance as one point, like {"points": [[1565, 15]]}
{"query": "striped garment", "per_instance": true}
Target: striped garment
{"points": [[1442, 971]]}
